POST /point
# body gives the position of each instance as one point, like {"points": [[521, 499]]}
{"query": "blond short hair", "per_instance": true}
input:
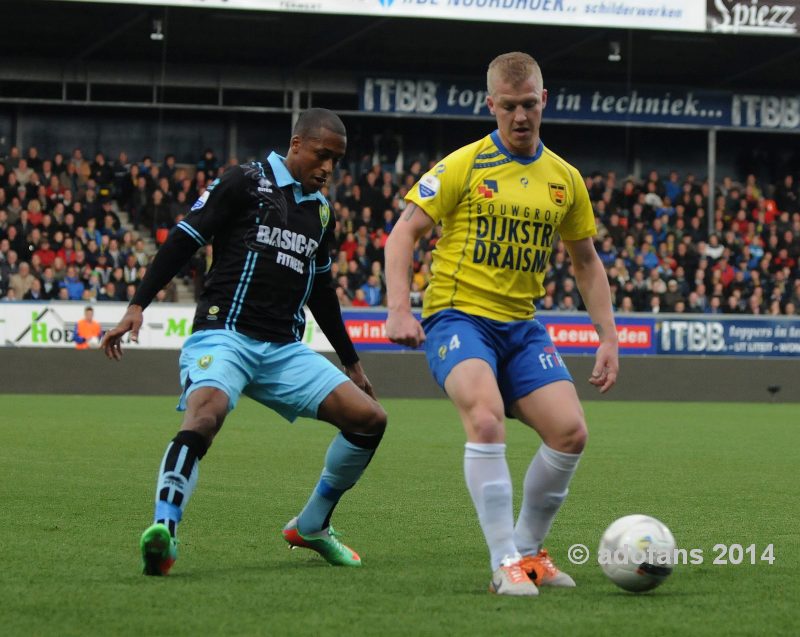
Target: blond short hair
{"points": [[514, 68]]}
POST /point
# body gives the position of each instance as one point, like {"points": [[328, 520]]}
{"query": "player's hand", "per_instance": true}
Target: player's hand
{"points": [[606, 366], [131, 322], [356, 373], [402, 328]]}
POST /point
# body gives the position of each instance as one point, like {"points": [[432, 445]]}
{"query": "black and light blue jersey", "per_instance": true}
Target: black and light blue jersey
{"points": [[269, 242]]}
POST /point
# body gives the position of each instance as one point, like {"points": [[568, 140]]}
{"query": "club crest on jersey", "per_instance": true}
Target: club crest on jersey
{"points": [[489, 188], [558, 194], [324, 214], [205, 361], [429, 186]]}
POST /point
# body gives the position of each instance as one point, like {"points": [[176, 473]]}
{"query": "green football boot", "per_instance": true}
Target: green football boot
{"points": [[325, 542], [159, 550]]}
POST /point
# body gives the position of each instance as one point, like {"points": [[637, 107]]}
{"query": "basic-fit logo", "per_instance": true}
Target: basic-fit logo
{"points": [[489, 188], [558, 194]]}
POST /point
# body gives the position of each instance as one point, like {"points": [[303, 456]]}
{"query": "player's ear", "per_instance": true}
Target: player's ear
{"points": [[490, 104], [295, 143], [544, 98]]}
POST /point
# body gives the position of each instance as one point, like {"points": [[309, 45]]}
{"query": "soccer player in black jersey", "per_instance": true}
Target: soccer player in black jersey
{"points": [[270, 229]]}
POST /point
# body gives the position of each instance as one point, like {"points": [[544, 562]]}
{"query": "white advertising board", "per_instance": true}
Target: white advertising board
{"points": [[668, 15], [166, 326]]}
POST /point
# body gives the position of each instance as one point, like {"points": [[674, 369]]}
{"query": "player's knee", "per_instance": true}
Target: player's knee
{"points": [[571, 438], [367, 431], [375, 419], [206, 422], [207, 408], [486, 427], [368, 418], [207, 425]]}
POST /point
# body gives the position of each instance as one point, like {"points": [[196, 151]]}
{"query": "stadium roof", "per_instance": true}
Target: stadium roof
{"points": [[69, 34]]}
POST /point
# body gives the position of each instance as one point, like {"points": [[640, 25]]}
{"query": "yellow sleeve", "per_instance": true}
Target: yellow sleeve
{"points": [[579, 222], [439, 191]]}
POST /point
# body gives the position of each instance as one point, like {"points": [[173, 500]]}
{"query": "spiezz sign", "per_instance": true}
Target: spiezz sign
{"points": [[763, 17]]}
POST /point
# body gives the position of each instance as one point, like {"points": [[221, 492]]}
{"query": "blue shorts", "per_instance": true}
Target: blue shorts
{"points": [[521, 353], [287, 377]]}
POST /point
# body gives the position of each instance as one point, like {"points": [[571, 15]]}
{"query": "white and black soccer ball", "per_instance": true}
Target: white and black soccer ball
{"points": [[637, 553]]}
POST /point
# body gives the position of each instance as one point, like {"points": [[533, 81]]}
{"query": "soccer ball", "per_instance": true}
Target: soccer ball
{"points": [[94, 342], [637, 553]]}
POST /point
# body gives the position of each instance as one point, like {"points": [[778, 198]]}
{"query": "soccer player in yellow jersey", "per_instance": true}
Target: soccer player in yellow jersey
{"points": [[503, 201]]}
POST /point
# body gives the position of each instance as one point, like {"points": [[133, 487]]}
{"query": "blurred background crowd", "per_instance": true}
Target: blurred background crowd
{"points": [[84, 228]]}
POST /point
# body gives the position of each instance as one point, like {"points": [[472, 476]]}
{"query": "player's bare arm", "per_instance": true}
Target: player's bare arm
{"points": [[593, 285], [401, 326]]}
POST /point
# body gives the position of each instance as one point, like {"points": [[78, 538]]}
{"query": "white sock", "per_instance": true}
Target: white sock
{"points": [[546, 486], [489, 484]]}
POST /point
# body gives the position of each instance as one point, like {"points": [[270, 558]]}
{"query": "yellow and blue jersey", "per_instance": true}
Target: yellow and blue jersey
{"points": [[500, 214]]}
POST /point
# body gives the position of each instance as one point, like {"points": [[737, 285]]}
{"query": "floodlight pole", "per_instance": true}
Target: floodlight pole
{"points": [[295, 106], [712, 178]]}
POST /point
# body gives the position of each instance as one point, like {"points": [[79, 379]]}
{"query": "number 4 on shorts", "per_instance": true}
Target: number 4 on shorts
{"points": [[454, 342]]}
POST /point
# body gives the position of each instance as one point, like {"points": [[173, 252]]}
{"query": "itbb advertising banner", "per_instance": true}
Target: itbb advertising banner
{"points": [[592, 103], [166, 326], [731, 337]]}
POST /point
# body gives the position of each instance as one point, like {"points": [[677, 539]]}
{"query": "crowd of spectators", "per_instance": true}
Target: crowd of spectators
{"points": [[653, 237], [61, 236], [61, 230]]}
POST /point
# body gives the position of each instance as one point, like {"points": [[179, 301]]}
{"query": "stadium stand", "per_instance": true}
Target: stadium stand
{"points": [[74, 229]]}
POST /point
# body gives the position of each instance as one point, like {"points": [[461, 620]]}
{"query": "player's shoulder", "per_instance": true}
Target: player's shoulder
{"points": [[465, 156], [451, 171], [252, 171], [557, 163]]}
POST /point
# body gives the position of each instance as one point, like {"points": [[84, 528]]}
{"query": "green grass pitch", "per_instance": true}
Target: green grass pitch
{"points": [[77, 477]]}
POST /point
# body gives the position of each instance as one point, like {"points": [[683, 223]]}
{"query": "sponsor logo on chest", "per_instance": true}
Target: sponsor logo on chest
{"points": [[287, 240]]}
